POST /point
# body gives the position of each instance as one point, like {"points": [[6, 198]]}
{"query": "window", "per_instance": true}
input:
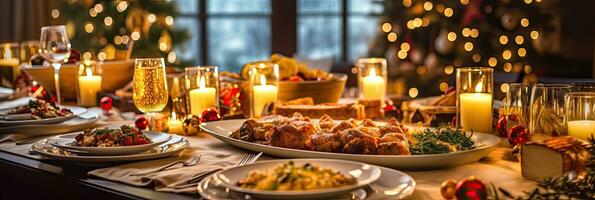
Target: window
{"points": [[319, 29]]}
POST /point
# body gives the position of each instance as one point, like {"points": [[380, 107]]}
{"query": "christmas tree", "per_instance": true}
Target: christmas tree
{"points": [[99, 28], [426, 40]]}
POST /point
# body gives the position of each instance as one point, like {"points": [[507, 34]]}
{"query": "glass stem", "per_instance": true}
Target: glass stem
{"points": [[57, 81], [151, 119]]}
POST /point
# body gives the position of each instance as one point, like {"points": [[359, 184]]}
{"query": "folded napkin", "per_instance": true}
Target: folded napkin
{"points": [[175, 179]]}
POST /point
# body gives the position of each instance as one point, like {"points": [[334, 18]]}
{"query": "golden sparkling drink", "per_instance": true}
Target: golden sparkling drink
{"points": [[150, 89]]}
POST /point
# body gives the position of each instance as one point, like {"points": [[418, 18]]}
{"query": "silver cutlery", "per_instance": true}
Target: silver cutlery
{"points": [[192, 161], [247, 158]]}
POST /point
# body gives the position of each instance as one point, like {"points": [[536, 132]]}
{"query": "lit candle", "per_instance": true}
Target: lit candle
{"points": [[89, 85], [174, 125], [10, 61], [202, 98], [476, 110], [263, 94], [374, 86], [581, 128], [175, 88]]}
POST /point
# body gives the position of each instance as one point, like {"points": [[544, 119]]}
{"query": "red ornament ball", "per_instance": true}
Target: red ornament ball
{"points": [[391, 110], [209, 114], [518, 135], [471, 189], [74, 57], [141, 123], [106, 103], [501, 126]]}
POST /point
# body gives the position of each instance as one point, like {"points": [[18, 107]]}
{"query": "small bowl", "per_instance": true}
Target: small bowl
{"points": [[326, 91]]}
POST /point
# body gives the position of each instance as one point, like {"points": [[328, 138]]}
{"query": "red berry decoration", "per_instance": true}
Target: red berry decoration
{"points": [[74, 57], [141, 123], [518, 135], [209, 114], [106, 103], [391, 110], [471, 189], [501, 126]]}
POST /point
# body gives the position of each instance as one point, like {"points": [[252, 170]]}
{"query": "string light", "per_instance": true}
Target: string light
{"points": [[503, 39], [87, 55], [528, 1], [458, 62], [169, 20], [151, 17], [534, 35], [125, 39], [405, 46], [507, 67], [55, 13], [121, 7], [524, 22], [466, 32], [506, 54], [392, 37], [425, 21], [413, 92], [101, 56], [519, 39], [448, 12], [476, 57], [428, 6], [118, 40], [135, 35], [402, 54], [443, 87], [474, 33], [464, 2], [517, 67], [448, 69], [410, 24], [527, 69], [89, 27], [421, 70], [417, 22], [108, 21], [98, 8], [451, 36], [468, 46], [504, 87], [522, 52], [407, 3], [492, 61], [171, 57], [92, 12], [386, 27], [440, 8]]}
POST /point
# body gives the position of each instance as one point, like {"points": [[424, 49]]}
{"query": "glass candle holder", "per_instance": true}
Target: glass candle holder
{"points": [[547, 109], [264, 81], [475, 99], [371, 75], [580, 114], [89, 82], [28, 49], [9, 63], [202, 85], [177, 93], [516, 104]]}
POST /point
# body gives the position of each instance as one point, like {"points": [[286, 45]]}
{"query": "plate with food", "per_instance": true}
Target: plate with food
{"points": [[391, 184], [38, 111], [170, 148], [388, 143], [110, 141], [81, 122], [298, 178]]}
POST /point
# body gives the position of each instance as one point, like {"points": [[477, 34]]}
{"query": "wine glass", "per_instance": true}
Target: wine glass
{"points": [[55, 47], [150, 93]]}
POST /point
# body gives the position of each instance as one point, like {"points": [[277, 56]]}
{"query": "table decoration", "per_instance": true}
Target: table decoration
{"points": [[264, 79], [547, 110], [580, 114], [371, 74], [474, 98], [516, 108], [202, 84], [174, 125], [150, 88], [106, 103], [89, 83], [55, 48]]}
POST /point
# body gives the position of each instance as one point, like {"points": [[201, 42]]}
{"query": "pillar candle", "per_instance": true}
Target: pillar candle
{"points": [[476, 112], [202, 98], [262, 95], [89, 85], [581, 128], [374, 86], [174, 125]]}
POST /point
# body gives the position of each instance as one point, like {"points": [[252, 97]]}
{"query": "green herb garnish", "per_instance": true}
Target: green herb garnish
{"points": [[443, 140]]}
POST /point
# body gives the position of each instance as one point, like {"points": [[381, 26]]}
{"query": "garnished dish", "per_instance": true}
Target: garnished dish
{"points": [[40, 109], [108, 137], [351, 136], [295, 177]]}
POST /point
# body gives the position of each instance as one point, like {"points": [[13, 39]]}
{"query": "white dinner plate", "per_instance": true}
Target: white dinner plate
{"points": [[392, 184], [83, 121], [363, 173], [75, 112], [172, 147], [484, 142], [67, 142]]}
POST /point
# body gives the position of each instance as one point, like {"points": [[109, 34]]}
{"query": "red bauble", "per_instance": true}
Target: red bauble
{"points": [[501, 126], [106, 103], [471, 189], [518, 135], [74, 57], [391, 110], [209, 114], [141, 123]]}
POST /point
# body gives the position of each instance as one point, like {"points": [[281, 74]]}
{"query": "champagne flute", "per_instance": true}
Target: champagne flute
{"points": [[55, 47], [150, 93]]}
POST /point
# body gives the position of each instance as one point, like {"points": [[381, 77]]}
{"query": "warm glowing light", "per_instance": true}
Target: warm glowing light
{"points": [[263, 80], [417, 22], [163, 46], [87, 55], [89, 27], [151, 17], [98, 8], [421, 70], [428, 6], [440, 8], [101, 56], [503, 39], [474, 33], [405, 46], [534, 35], [121, 7], [492, 61], [135, 35], [527, 69], [402, 54], [118, 40], [522, 52], [466, 32], [519, 39], [89, 73], [507, 67], [108, 21], [476, 57], [517, 67], [528, 1], [413, 92], [171, 57], [202, 84], [443, 87], [92, 12], [452, 36], [169, 20], [524, 22], [479, 87], [410, 24], [125, 39], [504, 87], [55, 13], [448, 12], [448, 69], [386, 27], [392, 37], [407, 3], [464, 2], [506, 54], [468, 46]]}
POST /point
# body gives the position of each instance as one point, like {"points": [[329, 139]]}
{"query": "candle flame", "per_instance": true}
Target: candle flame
{"points": [[7, 53], [173, 115], [202, 83], [479, 87], [263, 80], [89, 73], [373, 72]]}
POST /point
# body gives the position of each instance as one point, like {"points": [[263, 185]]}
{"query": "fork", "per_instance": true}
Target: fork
{"points": [[190, 162], [247, 158]]}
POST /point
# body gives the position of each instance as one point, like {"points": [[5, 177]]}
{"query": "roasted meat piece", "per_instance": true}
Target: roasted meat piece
{"points": [[368, 123], [372, 131], [290, 136], [245, 131], [327, 142], [358, 142], [343, 126], [326, 123], [393, 148]]}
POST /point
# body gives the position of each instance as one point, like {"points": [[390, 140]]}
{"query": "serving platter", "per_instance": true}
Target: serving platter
{"points": [[67, 142], [485, 143]]}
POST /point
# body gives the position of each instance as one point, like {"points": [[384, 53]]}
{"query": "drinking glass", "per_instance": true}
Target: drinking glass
{"points": [[150, 93], [28, 49], [547, 109], [583, 87], [55, 47], [202, 83], [580, 114], [516, 103]]}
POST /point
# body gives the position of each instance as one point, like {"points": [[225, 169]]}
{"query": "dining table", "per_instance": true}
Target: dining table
{"points": [[27, 175]]}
